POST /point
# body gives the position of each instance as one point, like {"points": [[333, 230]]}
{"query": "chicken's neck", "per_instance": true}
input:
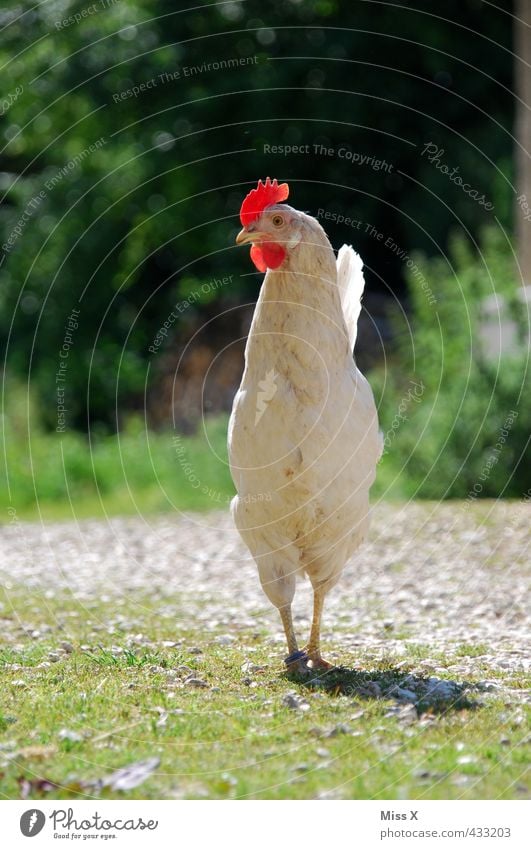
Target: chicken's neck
{"points": [[299, 316]]}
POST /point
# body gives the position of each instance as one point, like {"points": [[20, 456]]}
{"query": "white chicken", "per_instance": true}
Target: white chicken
{"points": [[303, 435]]}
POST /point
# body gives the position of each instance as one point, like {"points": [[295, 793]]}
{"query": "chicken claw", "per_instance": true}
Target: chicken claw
{"points": [[297, 663], [319, 663]]}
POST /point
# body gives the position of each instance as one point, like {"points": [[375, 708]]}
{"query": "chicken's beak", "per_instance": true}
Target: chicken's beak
{"points": [[244, 237]]}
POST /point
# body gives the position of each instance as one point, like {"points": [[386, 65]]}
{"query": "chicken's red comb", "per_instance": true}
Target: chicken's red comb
{"points": [[264, 195]]}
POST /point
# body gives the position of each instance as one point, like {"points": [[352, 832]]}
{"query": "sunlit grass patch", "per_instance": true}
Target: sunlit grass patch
{"points": [[222, 719]]}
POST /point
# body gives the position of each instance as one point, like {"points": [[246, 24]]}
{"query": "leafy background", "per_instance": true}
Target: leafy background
{"points": [[149, 217]]}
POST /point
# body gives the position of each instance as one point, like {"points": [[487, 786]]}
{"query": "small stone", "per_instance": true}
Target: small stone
{"points": [[195, 682], [295, 702], [225, 639], [407, 714], [466, 759], [67, 734], [358, 715], [403, 694], [248, 666], [317, 732], [341, 728], [422, 774]]}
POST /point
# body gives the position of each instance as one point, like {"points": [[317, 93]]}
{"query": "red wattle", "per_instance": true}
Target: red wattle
{"points": [[258, 258], [267, 255]]}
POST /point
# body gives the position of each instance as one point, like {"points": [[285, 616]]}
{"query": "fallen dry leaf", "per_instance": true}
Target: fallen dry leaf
{"points": [[34, 786], [37, 752], [129, 776]]}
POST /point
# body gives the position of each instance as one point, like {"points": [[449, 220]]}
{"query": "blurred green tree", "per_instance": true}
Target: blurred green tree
{"points": [[131, 132]]}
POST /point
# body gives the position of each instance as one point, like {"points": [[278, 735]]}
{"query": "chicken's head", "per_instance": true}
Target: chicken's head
{"points": [[271, 227]]}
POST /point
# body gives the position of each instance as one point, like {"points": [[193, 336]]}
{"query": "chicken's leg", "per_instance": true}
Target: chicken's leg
{"points": [[296, 660], [313, 649]]}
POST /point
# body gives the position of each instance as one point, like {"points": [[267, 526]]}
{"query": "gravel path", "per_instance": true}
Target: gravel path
{"points": [[452, 580]]}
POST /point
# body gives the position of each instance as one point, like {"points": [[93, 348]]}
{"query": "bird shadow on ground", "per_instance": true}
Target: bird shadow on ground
{"points": [[424, 694]]}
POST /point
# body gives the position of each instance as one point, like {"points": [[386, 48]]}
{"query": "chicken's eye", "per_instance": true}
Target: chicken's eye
{"points": [[277, 220]]}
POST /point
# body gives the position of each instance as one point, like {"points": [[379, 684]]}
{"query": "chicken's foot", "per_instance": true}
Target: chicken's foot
{"points": [[296, 661], [313, 649]]}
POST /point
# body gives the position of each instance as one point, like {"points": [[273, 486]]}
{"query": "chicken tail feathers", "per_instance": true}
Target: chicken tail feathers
{"points": [[350, 284]]}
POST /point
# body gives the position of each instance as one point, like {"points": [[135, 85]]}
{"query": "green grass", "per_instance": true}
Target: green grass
{"points": [[124, 699], [53, 476], [61, 476]]}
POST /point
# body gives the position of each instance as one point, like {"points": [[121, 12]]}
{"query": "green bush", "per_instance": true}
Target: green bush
{"points": [[70, 475], [129, 204], [464, 432]]}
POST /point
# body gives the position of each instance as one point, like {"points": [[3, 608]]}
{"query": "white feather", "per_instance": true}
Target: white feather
{"points": [[350, 283]]}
